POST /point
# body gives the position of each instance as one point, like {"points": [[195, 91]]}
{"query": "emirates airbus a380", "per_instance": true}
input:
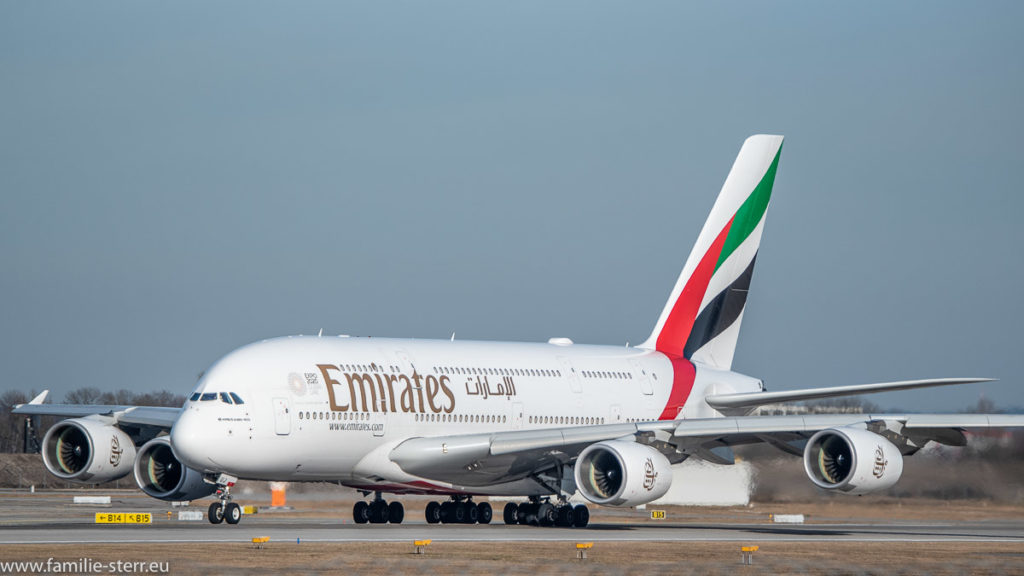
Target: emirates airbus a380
{"points": [[538, 421]]}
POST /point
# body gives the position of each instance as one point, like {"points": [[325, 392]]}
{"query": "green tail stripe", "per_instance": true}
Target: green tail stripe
{"points": [[750, 213]]}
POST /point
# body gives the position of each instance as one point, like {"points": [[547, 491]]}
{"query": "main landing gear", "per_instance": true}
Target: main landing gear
{"points": [[378, 511], [539, 512], [224, 510], [459, 511]]}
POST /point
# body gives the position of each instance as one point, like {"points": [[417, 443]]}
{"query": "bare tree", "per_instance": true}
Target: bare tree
{"points": [[10, 424], [85, 395], [983, 406]]}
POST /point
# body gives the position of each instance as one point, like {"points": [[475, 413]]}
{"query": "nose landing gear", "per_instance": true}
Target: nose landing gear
{"points": [[224, 510]]}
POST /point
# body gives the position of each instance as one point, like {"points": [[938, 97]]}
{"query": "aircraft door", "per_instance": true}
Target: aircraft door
{"points": [[517, 415], [282, 417], [405, 362], [570, 373], [378, 423], [614, 414], [644, 376]]}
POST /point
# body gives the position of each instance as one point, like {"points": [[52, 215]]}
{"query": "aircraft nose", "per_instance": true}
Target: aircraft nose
{"points": [[187, 441]]}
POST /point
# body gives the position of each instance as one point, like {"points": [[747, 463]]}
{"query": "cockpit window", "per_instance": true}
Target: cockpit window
{"points": [[194, 397], [238, 399], [207, 396], [225, 398]]}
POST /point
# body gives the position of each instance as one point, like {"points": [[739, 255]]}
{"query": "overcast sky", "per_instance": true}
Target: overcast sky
{"points": [[180, 179]]}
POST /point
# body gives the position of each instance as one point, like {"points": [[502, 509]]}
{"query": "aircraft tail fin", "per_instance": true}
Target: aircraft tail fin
{"points": [[701, 320]]}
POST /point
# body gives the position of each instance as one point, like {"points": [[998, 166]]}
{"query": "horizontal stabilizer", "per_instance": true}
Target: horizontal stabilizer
{"points": [[732, 403]]}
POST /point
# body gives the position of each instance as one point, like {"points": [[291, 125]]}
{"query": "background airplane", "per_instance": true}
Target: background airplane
{"points": [[468, 419]]}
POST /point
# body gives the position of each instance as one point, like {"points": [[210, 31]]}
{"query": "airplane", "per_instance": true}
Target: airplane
{"points": [[537, 422]]}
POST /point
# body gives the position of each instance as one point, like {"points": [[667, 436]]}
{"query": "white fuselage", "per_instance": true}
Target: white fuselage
{"points": [[333, 408]]}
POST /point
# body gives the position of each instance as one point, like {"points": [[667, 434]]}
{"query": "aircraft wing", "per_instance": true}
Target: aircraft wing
{"points": [[157, 416], [483, 459], [733, 404]]}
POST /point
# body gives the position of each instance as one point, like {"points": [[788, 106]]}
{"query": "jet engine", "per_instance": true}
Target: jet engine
{"points": [[852, 460], [160, 474], [87, 450], [621, 473]]}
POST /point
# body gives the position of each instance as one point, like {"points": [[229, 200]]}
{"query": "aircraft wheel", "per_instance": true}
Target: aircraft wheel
{"points": [[215, 513], [433, 513], [581, 516], [361, 512], [457, 514], [379, 512], [484, 512], [472, 512], [396, 512], [232, 513], [565, 516], [510, 515], [546, 514], [446, 512], [527, 513]]}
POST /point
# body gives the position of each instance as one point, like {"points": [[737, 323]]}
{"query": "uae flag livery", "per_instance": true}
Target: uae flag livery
{"points": [[701, 320]]}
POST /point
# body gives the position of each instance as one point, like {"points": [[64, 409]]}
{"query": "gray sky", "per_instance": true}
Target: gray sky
{"points": [[179, 179]]}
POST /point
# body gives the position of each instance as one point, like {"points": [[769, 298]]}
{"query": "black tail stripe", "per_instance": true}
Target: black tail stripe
{"points": [[721, 312]]}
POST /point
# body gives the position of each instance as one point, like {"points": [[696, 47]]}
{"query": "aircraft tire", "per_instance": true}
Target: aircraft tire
{"points": [[232, 513], [215, 513], [581, 516], [566, 517], [361, 512], [396, 512], [457, 514], [547, 515], [511, 513], [433, 513], [484, 512]]}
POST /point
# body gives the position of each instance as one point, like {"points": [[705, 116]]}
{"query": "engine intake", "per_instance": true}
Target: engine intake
{"points": [[160, 474], [852, 460], [620, 473], [88, 451]]}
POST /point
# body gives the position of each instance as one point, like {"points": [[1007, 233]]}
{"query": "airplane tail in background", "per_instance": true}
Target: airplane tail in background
{"points": [[701, 320]]}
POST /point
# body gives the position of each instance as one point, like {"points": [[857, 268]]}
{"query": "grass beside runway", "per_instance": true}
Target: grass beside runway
{"points": [[536, 558]]}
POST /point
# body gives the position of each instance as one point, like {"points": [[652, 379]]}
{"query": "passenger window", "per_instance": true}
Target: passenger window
{"points": [[207, 396], [237, 398]]}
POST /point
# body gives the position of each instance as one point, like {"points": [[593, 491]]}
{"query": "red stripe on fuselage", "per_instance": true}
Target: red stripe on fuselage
{"points": [[672, 339], [683, 375], [417, 487]]}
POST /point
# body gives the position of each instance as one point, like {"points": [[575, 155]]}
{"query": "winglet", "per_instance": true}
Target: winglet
{"points": [[39, 399]]}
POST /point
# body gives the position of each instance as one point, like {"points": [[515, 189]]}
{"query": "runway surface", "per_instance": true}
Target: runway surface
{"points": [[52, 519], [306, 532]]}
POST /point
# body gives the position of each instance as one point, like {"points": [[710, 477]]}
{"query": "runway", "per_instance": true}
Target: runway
{"points": [[51, 519], [173, 531]]}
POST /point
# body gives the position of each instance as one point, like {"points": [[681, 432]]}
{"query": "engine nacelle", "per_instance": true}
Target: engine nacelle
{"points": [[852, 460], [160, 474], [620, 473], [87, 450]]}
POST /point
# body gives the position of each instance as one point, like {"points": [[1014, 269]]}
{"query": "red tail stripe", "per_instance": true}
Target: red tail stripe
{"points": [[672, 339], [683, 375]]}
